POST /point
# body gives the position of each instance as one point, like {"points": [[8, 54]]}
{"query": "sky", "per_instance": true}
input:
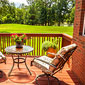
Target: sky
{"points": [[18, 2]]}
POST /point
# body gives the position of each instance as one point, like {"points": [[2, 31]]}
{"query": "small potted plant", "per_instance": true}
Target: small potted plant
{"points": [[49, 47], [19, 40]]}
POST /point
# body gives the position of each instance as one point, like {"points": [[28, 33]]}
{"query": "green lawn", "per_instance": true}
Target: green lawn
{"points": [[19, 28]]}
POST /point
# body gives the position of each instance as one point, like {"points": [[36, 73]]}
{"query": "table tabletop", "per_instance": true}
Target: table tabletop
{"points": [[14, 50]]}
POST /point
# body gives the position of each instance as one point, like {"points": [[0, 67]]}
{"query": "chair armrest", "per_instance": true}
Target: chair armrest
{"points": [[53, 54], [46, 62]]}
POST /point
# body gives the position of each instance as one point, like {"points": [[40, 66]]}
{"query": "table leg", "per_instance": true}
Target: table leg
{"points": [[27, 67], [18, 62], [11, 68]]}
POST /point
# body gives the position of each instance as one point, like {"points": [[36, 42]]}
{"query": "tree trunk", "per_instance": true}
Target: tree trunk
{"points": [[48, 23], [45, 23], [58, 23]]}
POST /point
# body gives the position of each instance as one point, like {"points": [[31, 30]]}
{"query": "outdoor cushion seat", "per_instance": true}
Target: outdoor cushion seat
{"points": [[50, 66], [2, 58], [42, 65]]}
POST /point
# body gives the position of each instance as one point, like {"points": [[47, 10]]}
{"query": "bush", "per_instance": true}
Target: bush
{"points": [[48, 44]]}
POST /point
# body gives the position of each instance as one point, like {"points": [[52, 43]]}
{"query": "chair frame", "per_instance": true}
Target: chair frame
{"points": [[1, 74], [3, 61]]}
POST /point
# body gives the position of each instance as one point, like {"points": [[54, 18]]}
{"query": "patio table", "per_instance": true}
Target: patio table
{"points": [[19, 51]]}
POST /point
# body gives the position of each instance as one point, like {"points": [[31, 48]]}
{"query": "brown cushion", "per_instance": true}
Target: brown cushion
{"points": [[54, 62]]}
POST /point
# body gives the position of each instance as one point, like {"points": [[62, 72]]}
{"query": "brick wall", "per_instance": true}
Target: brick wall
{"points": [[78, 59]]}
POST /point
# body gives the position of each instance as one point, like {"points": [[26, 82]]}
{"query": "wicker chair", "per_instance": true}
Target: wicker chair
{"points": [[51, 66], [2, 60]]}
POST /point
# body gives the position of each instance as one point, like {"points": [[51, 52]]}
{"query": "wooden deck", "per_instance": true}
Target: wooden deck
{"points": [[65, 76]]}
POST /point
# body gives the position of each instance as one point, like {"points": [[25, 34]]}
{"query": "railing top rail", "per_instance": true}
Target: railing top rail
{"points": [[67, 37], [35, 34]]}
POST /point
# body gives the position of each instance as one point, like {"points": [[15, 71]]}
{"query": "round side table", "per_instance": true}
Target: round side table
{"points": [[13, 50]]}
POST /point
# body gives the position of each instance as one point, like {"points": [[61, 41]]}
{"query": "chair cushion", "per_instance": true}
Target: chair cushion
{"points": [[42, 65], [54, 62]]}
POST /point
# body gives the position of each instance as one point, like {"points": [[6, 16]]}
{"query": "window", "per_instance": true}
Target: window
{"points": [[84, 26]]}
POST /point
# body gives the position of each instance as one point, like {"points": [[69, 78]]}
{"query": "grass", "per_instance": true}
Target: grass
{"points": [[20, 28]]}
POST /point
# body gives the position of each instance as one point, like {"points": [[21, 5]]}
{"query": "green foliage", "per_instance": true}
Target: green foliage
{"points": [[48, 44], [38, 12], [43, 16], [32, 15], [4, 19], [70, 17]]}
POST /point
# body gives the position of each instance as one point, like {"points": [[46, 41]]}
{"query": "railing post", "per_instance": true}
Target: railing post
{"points": [[67, 40]]}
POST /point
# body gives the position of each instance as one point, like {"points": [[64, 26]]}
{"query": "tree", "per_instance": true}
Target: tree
{"points": [[12, 14], [32, 15], [43, 16], [61, 10], [19, 16], [4, 4], [51, 16], [70, 18]]}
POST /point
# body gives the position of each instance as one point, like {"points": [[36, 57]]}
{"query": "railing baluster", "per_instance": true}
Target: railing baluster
{"points": [[42, 42], [12, 42], [47, 38], [9, 40], [0, 43], [57, 40], [34, 45], [3, 43], [59, 43], [37, 46]]}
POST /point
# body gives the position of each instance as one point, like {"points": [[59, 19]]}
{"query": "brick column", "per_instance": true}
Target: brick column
{"points": [[78, 59]]}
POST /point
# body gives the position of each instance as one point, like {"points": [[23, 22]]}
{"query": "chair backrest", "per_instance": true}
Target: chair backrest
{"points": [[63, 55]]}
